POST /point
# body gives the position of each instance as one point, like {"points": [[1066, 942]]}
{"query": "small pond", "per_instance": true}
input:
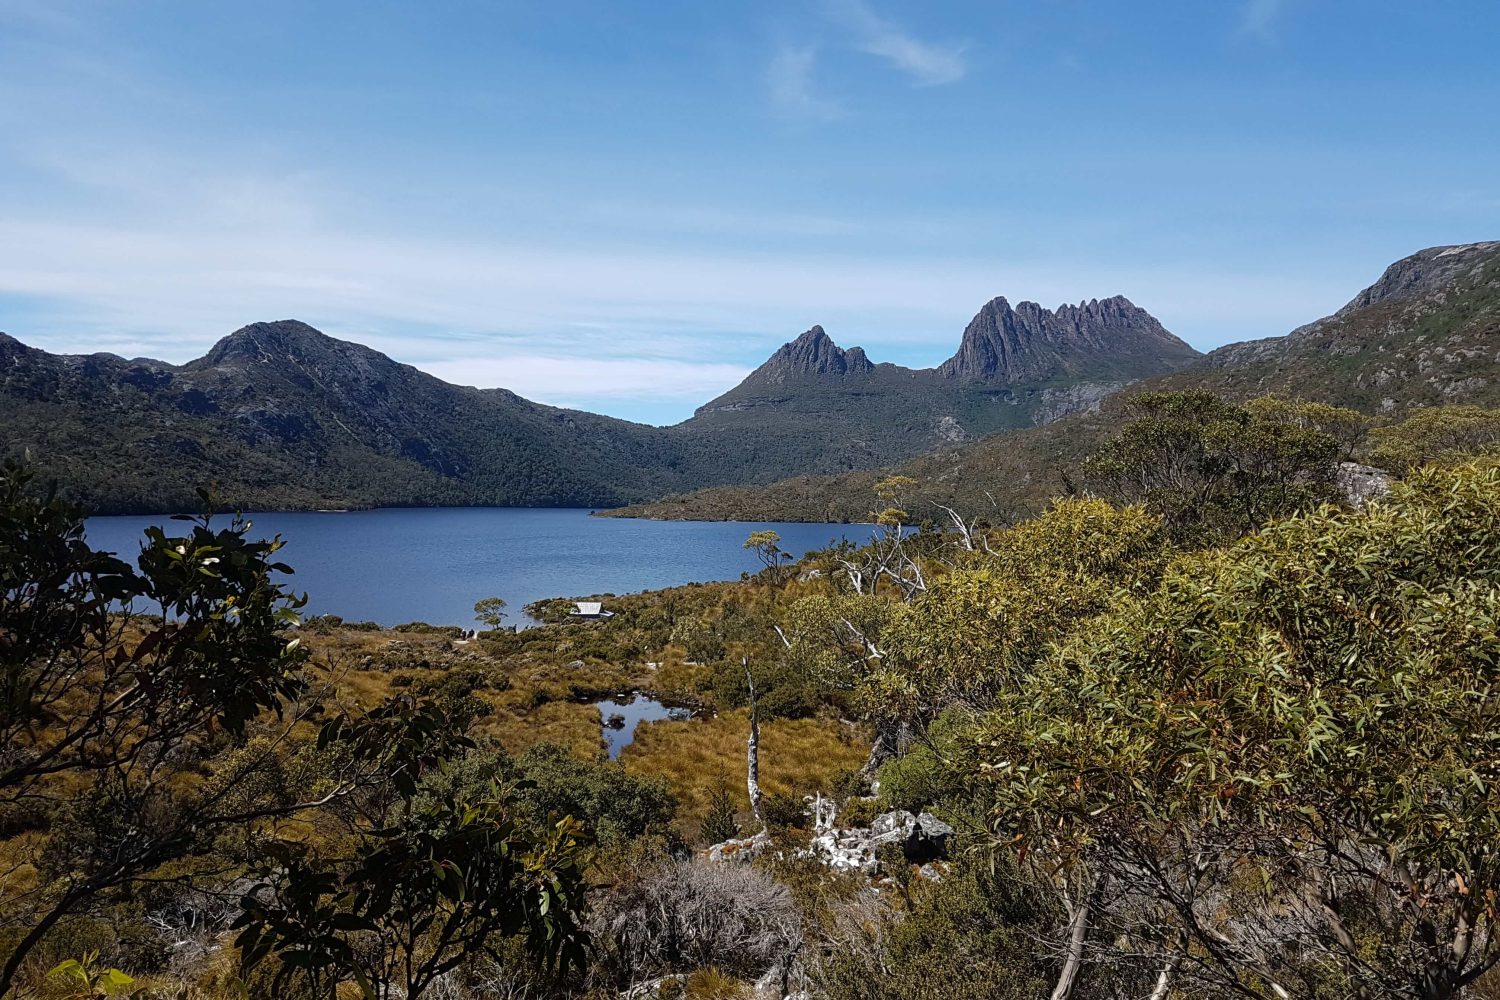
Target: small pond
{"points": [[623, 713]]}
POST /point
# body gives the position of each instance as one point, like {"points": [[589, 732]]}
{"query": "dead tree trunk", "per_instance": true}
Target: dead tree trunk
{"points": [[752, 746], [1080, 916]]}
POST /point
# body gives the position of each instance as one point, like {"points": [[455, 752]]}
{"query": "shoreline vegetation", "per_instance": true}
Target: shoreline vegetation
{"points": [[1085, 754]]}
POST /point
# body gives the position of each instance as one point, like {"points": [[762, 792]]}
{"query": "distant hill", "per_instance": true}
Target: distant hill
{"points": [[281, 416], [1426, 333]]}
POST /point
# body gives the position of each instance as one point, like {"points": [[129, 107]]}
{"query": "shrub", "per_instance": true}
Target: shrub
{"points": [[789, 702], [783, 810], [612, 803], [973, 936], [858, 811], [693, 915], [719, 823], [423, 628]]}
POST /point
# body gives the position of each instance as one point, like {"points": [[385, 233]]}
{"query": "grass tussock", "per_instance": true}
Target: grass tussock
{"points": [[797, 757]]}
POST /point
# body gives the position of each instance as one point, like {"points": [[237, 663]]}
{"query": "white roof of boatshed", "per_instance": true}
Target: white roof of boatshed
{"points": [[589, 607]]}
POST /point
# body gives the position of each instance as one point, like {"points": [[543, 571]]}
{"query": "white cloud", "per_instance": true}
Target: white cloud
{"points": [[928, 63], [1259, 17], [789, 81]]}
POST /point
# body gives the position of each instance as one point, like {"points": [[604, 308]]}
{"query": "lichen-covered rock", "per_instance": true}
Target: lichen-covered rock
{"points": [[742, 849], [1362, 483]]}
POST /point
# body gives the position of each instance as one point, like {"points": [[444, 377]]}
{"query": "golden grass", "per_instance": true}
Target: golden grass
{"points": [[575, 726], [797, 757]]}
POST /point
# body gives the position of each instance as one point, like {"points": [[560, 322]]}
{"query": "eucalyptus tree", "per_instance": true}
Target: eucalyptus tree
{"points": [[157, 726], [1282, 765], [1213, 470]]}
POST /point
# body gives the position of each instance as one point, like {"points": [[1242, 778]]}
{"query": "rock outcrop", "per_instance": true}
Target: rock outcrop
{"points": [[922, 838], [1031, 344]]}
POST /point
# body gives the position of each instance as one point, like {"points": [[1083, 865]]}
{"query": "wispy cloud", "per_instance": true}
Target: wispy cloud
{"points": [[1258, 18], [927, 63], [790, 82]]}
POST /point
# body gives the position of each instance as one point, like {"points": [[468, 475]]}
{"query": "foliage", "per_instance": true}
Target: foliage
{"points": [[611, 803], [695, 914], [81, 979], [702, 642], [973, 630], [1348, 427], [411, 903], [972, 936], [1211, 470], [1313, 703], [930, 771], [1441, 434], [105, 708], [783, 810], [767, 548], [719, 823], [490, 611]]}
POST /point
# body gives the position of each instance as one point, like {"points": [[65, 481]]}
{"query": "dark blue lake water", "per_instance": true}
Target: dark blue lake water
{"points": [[431, 564]]}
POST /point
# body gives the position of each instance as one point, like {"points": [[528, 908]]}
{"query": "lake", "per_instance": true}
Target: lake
{"points": [[431, 564]]}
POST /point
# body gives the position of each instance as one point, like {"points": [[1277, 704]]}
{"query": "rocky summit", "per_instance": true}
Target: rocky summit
{"points": [[1099, 339]]}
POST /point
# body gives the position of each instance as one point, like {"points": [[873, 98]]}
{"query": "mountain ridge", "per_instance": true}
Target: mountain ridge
{"points": [[1425, 333], [283, 415]]}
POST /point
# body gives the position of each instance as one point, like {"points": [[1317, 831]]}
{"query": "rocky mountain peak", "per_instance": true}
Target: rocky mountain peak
{"points": [[1030, 343], [286, 339], [811, 355], [1425, 272]]}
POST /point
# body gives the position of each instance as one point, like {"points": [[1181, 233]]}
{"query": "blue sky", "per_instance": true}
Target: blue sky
{"points": [[626, 206]]}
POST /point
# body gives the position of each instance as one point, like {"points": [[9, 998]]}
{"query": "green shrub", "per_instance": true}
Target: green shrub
{"points": [[719, 822], [789, 702], [423, 628], [784, 811], [972, 936], [611, 802], [858, 811]]}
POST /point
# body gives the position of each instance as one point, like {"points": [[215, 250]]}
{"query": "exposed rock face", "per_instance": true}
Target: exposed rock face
{"points": [[831, 410], [812, 355], [1029, 343], [1362, 483], [1084, 397], [1424, 272]]}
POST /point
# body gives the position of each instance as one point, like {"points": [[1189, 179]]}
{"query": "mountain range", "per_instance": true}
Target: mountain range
{"points": [[280, 416], [1426, 333]]}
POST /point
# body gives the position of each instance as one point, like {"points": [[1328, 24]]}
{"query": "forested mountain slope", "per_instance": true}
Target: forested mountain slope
{"points": [[1426, 333], [279, 415]]}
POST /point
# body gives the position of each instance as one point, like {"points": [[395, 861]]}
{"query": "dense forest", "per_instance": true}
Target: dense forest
{"points": [[1214, 723]]}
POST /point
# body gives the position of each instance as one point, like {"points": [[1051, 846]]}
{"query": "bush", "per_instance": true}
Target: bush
{"points": [[423, 628], [614, 804], [719, 823], [789, 702], [693, 915], [783, 811], [858, 811], [973, 936]]}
